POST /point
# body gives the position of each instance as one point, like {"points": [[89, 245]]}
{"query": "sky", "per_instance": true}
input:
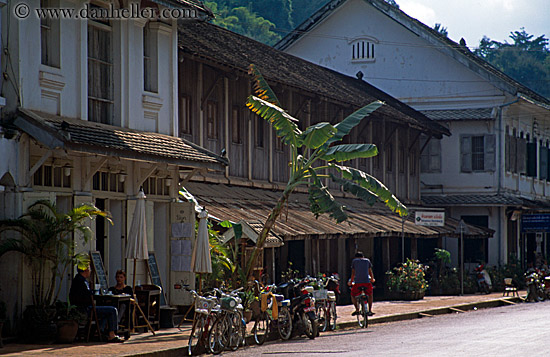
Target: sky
{"points": [[473, 19]]}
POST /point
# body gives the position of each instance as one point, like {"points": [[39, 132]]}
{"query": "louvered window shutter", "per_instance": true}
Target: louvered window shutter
{"points": [[513, 154], [543, 163], [507, 155], [466, 153], [521, 159], [489, 157], [532, 159]]}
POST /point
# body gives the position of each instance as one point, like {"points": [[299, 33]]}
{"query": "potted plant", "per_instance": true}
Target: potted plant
{"points": [[248, 299], [44, 237], [407, 281], [68, 318]]}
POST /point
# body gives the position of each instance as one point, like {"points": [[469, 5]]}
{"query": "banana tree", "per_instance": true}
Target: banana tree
{"points": [[44, 237], [325, 153]]}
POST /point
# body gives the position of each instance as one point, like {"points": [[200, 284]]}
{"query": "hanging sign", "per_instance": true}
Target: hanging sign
{"points": [[427, 218]]}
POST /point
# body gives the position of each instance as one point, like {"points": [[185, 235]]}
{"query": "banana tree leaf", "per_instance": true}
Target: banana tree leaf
{"points": [[316, 135], [344, 127], [321, 201], [284, 124], [261, 88], [373, 185], [346, 152], [356, 190]]}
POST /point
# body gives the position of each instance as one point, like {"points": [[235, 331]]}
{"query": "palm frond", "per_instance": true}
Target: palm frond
{"points": [[351, 121], [373, 185], [261, 88]]}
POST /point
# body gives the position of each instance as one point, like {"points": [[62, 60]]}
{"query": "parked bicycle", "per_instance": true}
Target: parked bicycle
{"points": [[206, 310], [229, 329], [325, 302]]}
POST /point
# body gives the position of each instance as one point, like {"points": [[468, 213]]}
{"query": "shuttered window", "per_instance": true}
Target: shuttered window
{"points": [[543, 163], [100, 73], [477, 153], [521, 158], [532, 159], [430, 159]]}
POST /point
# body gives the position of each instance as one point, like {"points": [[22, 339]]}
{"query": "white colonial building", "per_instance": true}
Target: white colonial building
{"points": [[493, 170], [92, 116]]}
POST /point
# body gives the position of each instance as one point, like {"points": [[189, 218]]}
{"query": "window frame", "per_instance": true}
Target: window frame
{"points": [[150, 56], [236, 137], [212, 120], [363, 49], [185, 115], [50, 32], [105, 101]]}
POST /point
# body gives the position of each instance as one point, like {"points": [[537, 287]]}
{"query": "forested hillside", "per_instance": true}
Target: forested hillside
{"points": [[526, 59], [264, 20]]}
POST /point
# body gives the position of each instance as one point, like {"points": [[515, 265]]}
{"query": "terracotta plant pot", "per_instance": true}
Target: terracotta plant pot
{"points": [[66, 331]]}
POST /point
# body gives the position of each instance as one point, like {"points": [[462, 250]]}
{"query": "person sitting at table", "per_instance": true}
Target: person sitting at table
{"points": [[121, 288], [81, 295]]}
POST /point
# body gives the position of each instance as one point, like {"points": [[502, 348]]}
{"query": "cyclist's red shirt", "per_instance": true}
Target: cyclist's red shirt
{"points": [[355, 289]]}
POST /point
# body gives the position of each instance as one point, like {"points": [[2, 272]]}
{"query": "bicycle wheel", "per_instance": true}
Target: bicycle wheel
{"points": [[332, 316], [237, 331], [321, 311], [310, 326], [195, 338], [362, 317], [261, 328], [284, 323], [219, 334]]}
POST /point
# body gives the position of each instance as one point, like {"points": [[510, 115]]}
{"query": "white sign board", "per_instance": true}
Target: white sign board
{"points": [[430, 218]]}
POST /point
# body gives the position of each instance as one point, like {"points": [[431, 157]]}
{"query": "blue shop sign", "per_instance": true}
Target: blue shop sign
{"points": [[535, 223]]}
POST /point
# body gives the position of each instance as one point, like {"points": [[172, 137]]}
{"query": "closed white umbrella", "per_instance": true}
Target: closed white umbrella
{"points": [[137, 239], [200, 260]]}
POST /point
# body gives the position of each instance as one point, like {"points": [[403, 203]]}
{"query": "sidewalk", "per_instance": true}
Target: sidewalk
{"points": [[168, 342]]}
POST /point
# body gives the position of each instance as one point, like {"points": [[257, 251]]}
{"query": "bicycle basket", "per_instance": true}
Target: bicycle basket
{"points": [[320, 294], [228, 303], [203, 305]]}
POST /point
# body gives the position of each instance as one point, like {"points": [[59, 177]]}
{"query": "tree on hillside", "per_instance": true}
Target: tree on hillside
{"points": [[441, 29], [244, 22], [317, 154], [527, 59]]}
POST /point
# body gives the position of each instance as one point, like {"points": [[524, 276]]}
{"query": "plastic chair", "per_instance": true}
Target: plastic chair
{"points": [[510, 287]]}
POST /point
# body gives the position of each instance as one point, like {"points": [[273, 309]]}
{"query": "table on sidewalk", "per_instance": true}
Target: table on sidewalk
{"points": [[122, 303]]}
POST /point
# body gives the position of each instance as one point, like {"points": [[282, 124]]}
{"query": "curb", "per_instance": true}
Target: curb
{"points": [[437, 311], [504, 301]]}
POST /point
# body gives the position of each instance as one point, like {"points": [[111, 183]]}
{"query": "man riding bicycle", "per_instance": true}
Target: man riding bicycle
{"points": [[361, 276]]}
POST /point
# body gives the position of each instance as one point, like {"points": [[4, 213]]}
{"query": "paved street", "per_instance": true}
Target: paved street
{"points": [[504, 331], [173, 342]]}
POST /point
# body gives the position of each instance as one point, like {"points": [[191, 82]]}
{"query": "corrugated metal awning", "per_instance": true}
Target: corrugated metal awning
{"points": [[296, 222]]}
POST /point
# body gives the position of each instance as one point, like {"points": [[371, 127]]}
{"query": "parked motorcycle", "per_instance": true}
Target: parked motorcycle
{"points": [[484, 283], [535, 287], [302, 307]]}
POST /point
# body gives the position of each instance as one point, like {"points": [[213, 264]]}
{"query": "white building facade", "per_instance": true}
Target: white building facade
{"points": [[494, 168], [91, 116]]}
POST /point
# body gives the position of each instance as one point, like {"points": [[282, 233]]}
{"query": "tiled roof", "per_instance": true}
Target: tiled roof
{"points": [[84, 136], [460, 114], [236, 203], [221, 47], [416, 27], [471, 199]]}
